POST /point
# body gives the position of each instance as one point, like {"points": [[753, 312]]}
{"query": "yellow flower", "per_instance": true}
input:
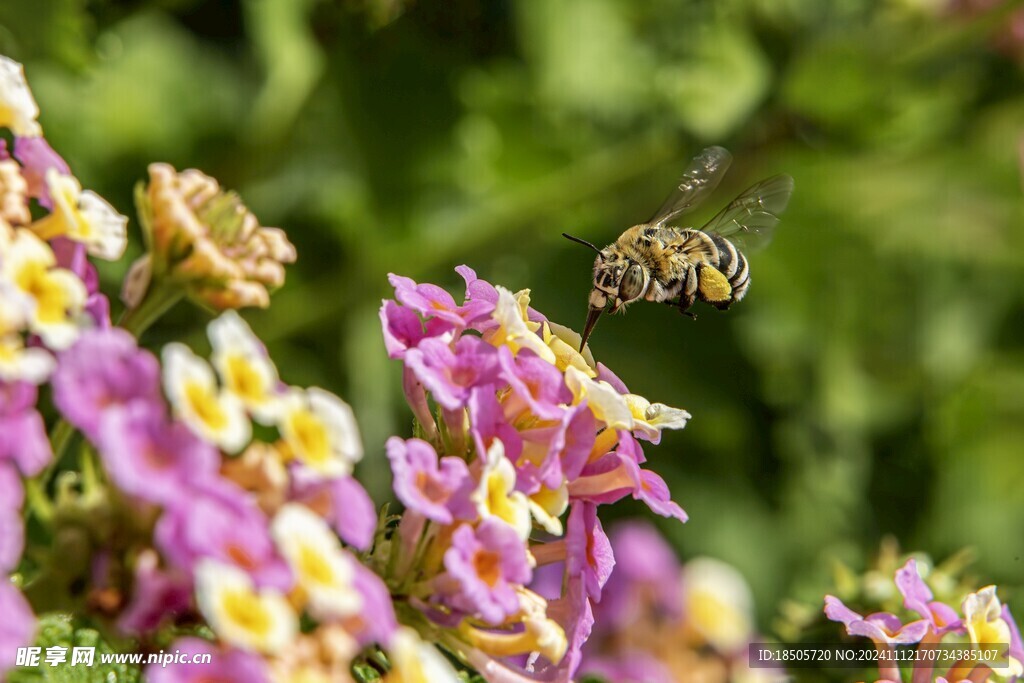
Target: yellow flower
{"points": [[718, 603], [514, 330], [414, 661], [539, 634], [239, 613], [32, 364], [83, 217], [650, 419], [547, 506], [212, 413], [18, 109], [565, 344], [323, 570], [983, 616], [320, 431], [244, 366], [607, 404], [56, 295], [206, 240], [496, 496]]}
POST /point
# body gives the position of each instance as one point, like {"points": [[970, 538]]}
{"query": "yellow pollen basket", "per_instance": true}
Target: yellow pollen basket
{"points": [[203, 402], [713, 285], [245, 610]]}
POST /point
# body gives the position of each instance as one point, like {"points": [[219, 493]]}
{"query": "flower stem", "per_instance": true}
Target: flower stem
{"points": [[159, 299], [38, 502], [60, 439]]}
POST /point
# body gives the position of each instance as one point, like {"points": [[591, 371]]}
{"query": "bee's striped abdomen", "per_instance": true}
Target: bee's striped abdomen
{"points": [[733, 265]]}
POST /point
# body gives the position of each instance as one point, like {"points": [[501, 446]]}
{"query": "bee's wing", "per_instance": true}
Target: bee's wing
{"points": [[699, 180], [750, 219]]}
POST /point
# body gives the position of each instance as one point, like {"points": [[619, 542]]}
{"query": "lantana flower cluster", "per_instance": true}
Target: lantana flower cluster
{"points": [[200, 504], [661, 621], [519, 439], [981, 624]]}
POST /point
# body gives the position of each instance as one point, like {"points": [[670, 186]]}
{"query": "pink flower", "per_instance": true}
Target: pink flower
{"points": [[537, 385], [588, 550], [152, 457], [450, 375], [432, 301], [918, 597], [216, 519], [103, 370], [644, 561], [437, 489], [487, 423], [226, 666], [566, 446], [18, 626], [484, 564], [342, 501], [653, 491], [880, 627], [12, 527], [73, 256], [404, 329], [23, 437], [157, 596], [575, 614], [376, 622], [606, 480], [37, 157]]}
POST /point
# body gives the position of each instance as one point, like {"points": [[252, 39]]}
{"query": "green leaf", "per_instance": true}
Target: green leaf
{"points": [[720, 85], [61, 630]]}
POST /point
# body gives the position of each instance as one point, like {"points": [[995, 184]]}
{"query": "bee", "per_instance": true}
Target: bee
{"points": [[677, 266]]}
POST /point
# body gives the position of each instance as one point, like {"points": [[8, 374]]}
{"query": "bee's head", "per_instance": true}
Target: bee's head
{"points": [[617, 282]]}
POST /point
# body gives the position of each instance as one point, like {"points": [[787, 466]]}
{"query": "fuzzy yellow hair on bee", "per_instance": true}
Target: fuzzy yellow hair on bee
{"points": [[655, 261]]}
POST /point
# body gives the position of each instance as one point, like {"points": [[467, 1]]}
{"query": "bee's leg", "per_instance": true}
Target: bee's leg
{"points": [[683, 304], [689, 293]]}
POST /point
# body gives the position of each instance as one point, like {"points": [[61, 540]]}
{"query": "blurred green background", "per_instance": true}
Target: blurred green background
{"points": [[871, 383]]}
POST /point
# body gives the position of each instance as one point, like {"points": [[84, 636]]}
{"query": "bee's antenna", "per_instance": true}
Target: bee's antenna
{"points": [[581, 241]]}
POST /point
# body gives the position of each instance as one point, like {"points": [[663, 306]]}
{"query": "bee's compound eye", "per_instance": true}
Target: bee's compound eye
{"points": [[632, 284]]}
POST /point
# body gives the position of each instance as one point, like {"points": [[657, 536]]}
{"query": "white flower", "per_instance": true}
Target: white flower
{"points": [[513, 329], [213, 414], [320, 431], [32, 364], [18, 363], [415, 661], [244, 366], [718, 603], [607, 404], [83, 217], [56, 295], [18, 109], [495, 495], [323, 570], [260, 620], [649, 419]]}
